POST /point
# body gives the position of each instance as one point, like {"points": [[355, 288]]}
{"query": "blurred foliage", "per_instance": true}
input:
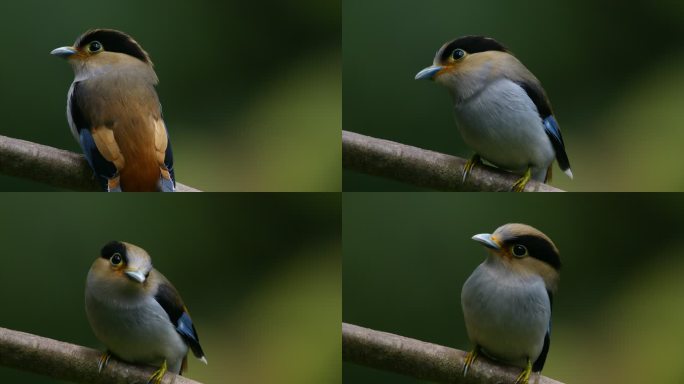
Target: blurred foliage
{"points": [[260, 274], [617, 315], [613, 73], [251, 91]]}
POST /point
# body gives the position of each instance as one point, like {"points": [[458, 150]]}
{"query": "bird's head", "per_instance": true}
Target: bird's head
{"points": [[122, 267], [525, 250], [101, 49]]}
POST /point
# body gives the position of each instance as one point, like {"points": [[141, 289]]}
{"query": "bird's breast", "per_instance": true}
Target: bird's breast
{"points": [[506, 315], [502, 124], [136, 332]]}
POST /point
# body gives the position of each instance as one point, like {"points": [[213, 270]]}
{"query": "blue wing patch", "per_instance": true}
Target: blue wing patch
{"points": [[168, 298], [553, 131], [536, 93], [186, 329]]}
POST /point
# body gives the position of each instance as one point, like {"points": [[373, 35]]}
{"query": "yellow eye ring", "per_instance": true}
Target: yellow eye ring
{"points": [[94, 47], [116, 259], [458, 54], [519, 250]]}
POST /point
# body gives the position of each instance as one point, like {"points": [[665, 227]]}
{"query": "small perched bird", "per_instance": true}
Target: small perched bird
{"points": [[501, 109], [507, 299], [136, 312], [114, 112]]}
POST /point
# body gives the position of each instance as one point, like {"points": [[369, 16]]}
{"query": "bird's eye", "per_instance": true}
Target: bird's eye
{"points": [[458, 54], [95, 46], [115, 259], [518, 250]]}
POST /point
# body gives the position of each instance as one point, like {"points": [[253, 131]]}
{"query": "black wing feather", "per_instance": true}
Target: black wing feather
{"points": [[102, 168], [539, 363], [536, 93], [168, 298]]}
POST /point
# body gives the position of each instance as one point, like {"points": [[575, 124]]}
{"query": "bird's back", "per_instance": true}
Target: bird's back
{"points": [[123, 109]]}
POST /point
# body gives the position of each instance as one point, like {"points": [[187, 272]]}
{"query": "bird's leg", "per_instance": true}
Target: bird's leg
{"points": [[114, 184], [104, 359], [158, 375], [524, 376], [520, 184], [470, 164], [165, 181], [470, 359]]}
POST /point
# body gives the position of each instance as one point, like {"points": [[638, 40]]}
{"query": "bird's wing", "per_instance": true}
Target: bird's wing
{"points": [[162, 145], [536, 93], [553, 131], [107, 145], [539, 363], [97, 143], [170, 300]]}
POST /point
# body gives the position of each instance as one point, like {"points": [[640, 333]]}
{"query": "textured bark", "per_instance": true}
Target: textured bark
{"points": [[422, 360], [52, 166], [64, 361], [425, 168]]}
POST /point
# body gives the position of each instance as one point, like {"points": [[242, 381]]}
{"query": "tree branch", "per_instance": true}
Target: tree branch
{"points": [[64, 361], [420, 359], [424, 168], [52, 166]]}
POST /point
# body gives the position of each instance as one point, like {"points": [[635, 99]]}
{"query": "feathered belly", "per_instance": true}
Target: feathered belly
{"points": [[141, 334], [509, 321], [503, 126]]}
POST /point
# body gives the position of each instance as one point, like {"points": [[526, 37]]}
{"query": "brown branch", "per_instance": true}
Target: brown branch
{"points": [[52, 166], [424, 168], [64, 361], [422, 360]]}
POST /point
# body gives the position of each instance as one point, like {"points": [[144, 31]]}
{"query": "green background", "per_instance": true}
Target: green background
{"points": [[260, 274], [617, 314], [614, 73], [251, 91]]}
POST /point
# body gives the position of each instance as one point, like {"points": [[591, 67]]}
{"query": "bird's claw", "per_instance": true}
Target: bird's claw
{"points": [[102, 363], [521, 183], [524, 376], [158, 375], [469, 360], [470, 164]]}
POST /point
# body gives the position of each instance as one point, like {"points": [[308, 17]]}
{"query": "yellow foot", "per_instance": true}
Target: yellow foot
{"points": [[520, 184], [469, 360], [470, 164], [104, 359], [158, 374], [524, 376], [114, 184]]}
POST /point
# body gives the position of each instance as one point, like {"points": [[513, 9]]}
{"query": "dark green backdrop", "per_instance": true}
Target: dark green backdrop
{"points": [[260, 274], [614, 73], [251, 91], [617, 315]]}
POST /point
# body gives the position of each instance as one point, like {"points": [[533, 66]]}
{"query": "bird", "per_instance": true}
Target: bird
{"points": [[137, 313], [501, 110], [114, 112], [507, 299]]}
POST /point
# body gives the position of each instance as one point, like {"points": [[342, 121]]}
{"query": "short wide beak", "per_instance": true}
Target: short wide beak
{"points": [[486, 240], [64, 52], [136, 275], [428, 73]]}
